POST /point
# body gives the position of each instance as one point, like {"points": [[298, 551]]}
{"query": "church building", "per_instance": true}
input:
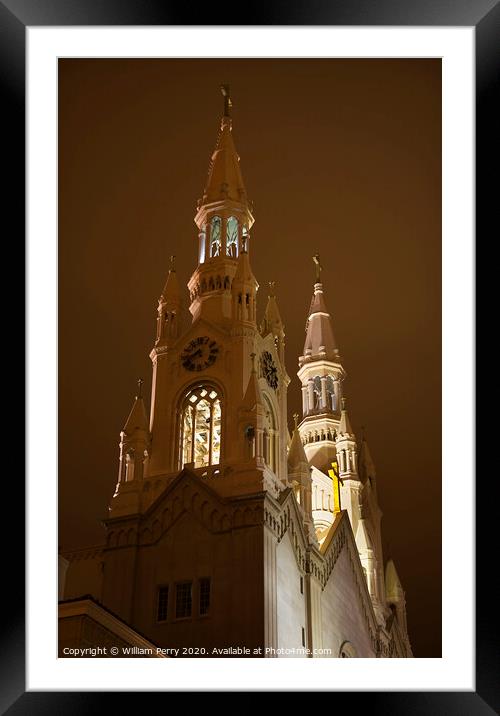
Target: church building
{"points": [[225, 531]]}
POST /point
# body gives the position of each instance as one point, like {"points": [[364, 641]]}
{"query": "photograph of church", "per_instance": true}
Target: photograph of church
{"points": [[236, 528]]}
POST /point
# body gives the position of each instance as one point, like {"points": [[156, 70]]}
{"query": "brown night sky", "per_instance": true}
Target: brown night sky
{"points": [[338, 156]]}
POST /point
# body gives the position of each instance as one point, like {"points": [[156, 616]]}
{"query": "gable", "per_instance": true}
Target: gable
{"points": [[187, 493]]}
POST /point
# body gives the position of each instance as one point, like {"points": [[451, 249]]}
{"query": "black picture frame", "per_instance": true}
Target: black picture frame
{"points": [[15, 17]]}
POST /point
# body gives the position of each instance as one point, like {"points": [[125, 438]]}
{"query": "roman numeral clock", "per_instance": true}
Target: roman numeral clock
{"points": [[200, 353]]}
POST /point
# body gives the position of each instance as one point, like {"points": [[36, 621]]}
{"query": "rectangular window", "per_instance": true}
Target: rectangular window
{"points": [[204, 596], [162, 606], [303, 636], [183, 600], [302, 585]]}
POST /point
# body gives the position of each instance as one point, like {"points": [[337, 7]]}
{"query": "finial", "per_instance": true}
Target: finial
{"points": [[244, 240], [172, 263], [318, 268], [252, 356], [296, 420], [271, 287], [227, 100], [139, 387], [344, 402]]}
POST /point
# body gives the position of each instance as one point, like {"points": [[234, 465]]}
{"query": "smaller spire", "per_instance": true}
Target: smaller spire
{"points": [[253, 396], [393, 587], [345, 425], [137, 419], [296, 454], [271, 321], [171, 294]]}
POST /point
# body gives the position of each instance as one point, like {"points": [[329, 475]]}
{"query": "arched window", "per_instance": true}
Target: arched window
{"points": [[215, 236], [200, 433], [232, 237]]}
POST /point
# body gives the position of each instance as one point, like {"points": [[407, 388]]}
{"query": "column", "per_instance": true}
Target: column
{"points": [[324, 403], [304, 400], [310, 394]]}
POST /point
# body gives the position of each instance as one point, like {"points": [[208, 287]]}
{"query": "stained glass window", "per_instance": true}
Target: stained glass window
{"points": [[201, 427]]}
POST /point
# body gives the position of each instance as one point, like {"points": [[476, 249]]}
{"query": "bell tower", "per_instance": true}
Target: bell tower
{"points": [[321, 374], [224, 219]]}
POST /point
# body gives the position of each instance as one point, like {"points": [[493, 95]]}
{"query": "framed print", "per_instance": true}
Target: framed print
{"points": [[236, 512]]}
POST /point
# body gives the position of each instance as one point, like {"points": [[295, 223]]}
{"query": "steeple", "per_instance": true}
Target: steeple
{"points": [[321, 375], [225, 181], [169, 307], [320, 342], [224, 218]]}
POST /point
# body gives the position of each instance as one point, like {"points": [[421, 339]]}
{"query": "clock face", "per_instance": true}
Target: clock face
{"points": [[200, 353], [269, 370]]}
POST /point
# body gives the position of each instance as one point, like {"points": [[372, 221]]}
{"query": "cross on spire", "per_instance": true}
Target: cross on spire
{"points": [[318, 267], [271, 287], [139, 387], [172, 262], [296, 419], [227, 100]]}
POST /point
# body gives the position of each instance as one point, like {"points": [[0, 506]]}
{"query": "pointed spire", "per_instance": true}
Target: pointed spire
{"points": [[345, 425], [253, 396], [363, 540], [137, 419], [171, 294], [296, 454], [320, 342], [271, 321], [393, 587], [244, 273], [225, 181]]}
